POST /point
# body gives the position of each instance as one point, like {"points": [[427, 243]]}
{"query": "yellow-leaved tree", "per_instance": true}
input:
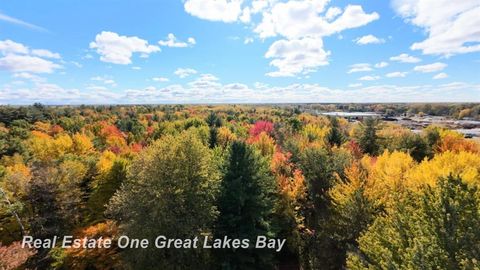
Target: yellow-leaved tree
{"points": [[264, 143], [455, 142], [225, 136], [82, 144], [46, 148], [313, 136], [387, 177], [466, 165]]}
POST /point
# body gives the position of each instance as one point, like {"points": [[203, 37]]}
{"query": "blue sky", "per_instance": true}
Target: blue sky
{"points": [[229, 51]]}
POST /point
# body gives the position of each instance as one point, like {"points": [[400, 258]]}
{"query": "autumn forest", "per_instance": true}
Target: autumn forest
{"points": [[344, 193]]}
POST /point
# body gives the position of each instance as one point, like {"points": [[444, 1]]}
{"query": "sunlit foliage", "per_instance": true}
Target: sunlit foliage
{"points": [[346, 193]]}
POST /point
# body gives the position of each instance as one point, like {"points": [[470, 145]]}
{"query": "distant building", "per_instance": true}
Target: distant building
{"points": [[353, 115]]}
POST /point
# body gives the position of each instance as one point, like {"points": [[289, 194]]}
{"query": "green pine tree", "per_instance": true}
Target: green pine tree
{"points": [[246, 204], [320, 250], [335, 136], [369, 139]]}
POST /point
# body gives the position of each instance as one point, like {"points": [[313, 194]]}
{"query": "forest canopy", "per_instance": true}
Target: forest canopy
{"points": [[345, 194]]}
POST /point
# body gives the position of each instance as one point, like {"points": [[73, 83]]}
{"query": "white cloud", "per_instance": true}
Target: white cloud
{"points": [[332, 13], [45, 53], [219, 10], [362, 67], [267, 27], [8, 46], [6, 18], [184, 72], [248, 40], [405, 58], [301, 25], [431, 67], [453, 27], [96, 88], [353, 85], [396, 74], [369, 78], [240, 93], [205, 82], [353, 17], [19, 58], [296, 56], [98, 78], [246, 16], [296, 19], [439, 76], [173, 42], [28, 76], [24, 75], [117, 49], [259, 6], [260, 85], [104, 79], [205, 89], [208, 77], [26, 63], [191, 40], [78, 65], [304, 26], [381, 65], [160, 79], [49, 93], [369, 39]]}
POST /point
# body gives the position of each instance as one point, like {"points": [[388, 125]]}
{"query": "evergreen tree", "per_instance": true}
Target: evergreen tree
{"points": [[45, 218], [335, 136], [246, 204], [415, 145], [320, 250], [369, 139], [431, 136], [213, 120], [213, 139]]}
